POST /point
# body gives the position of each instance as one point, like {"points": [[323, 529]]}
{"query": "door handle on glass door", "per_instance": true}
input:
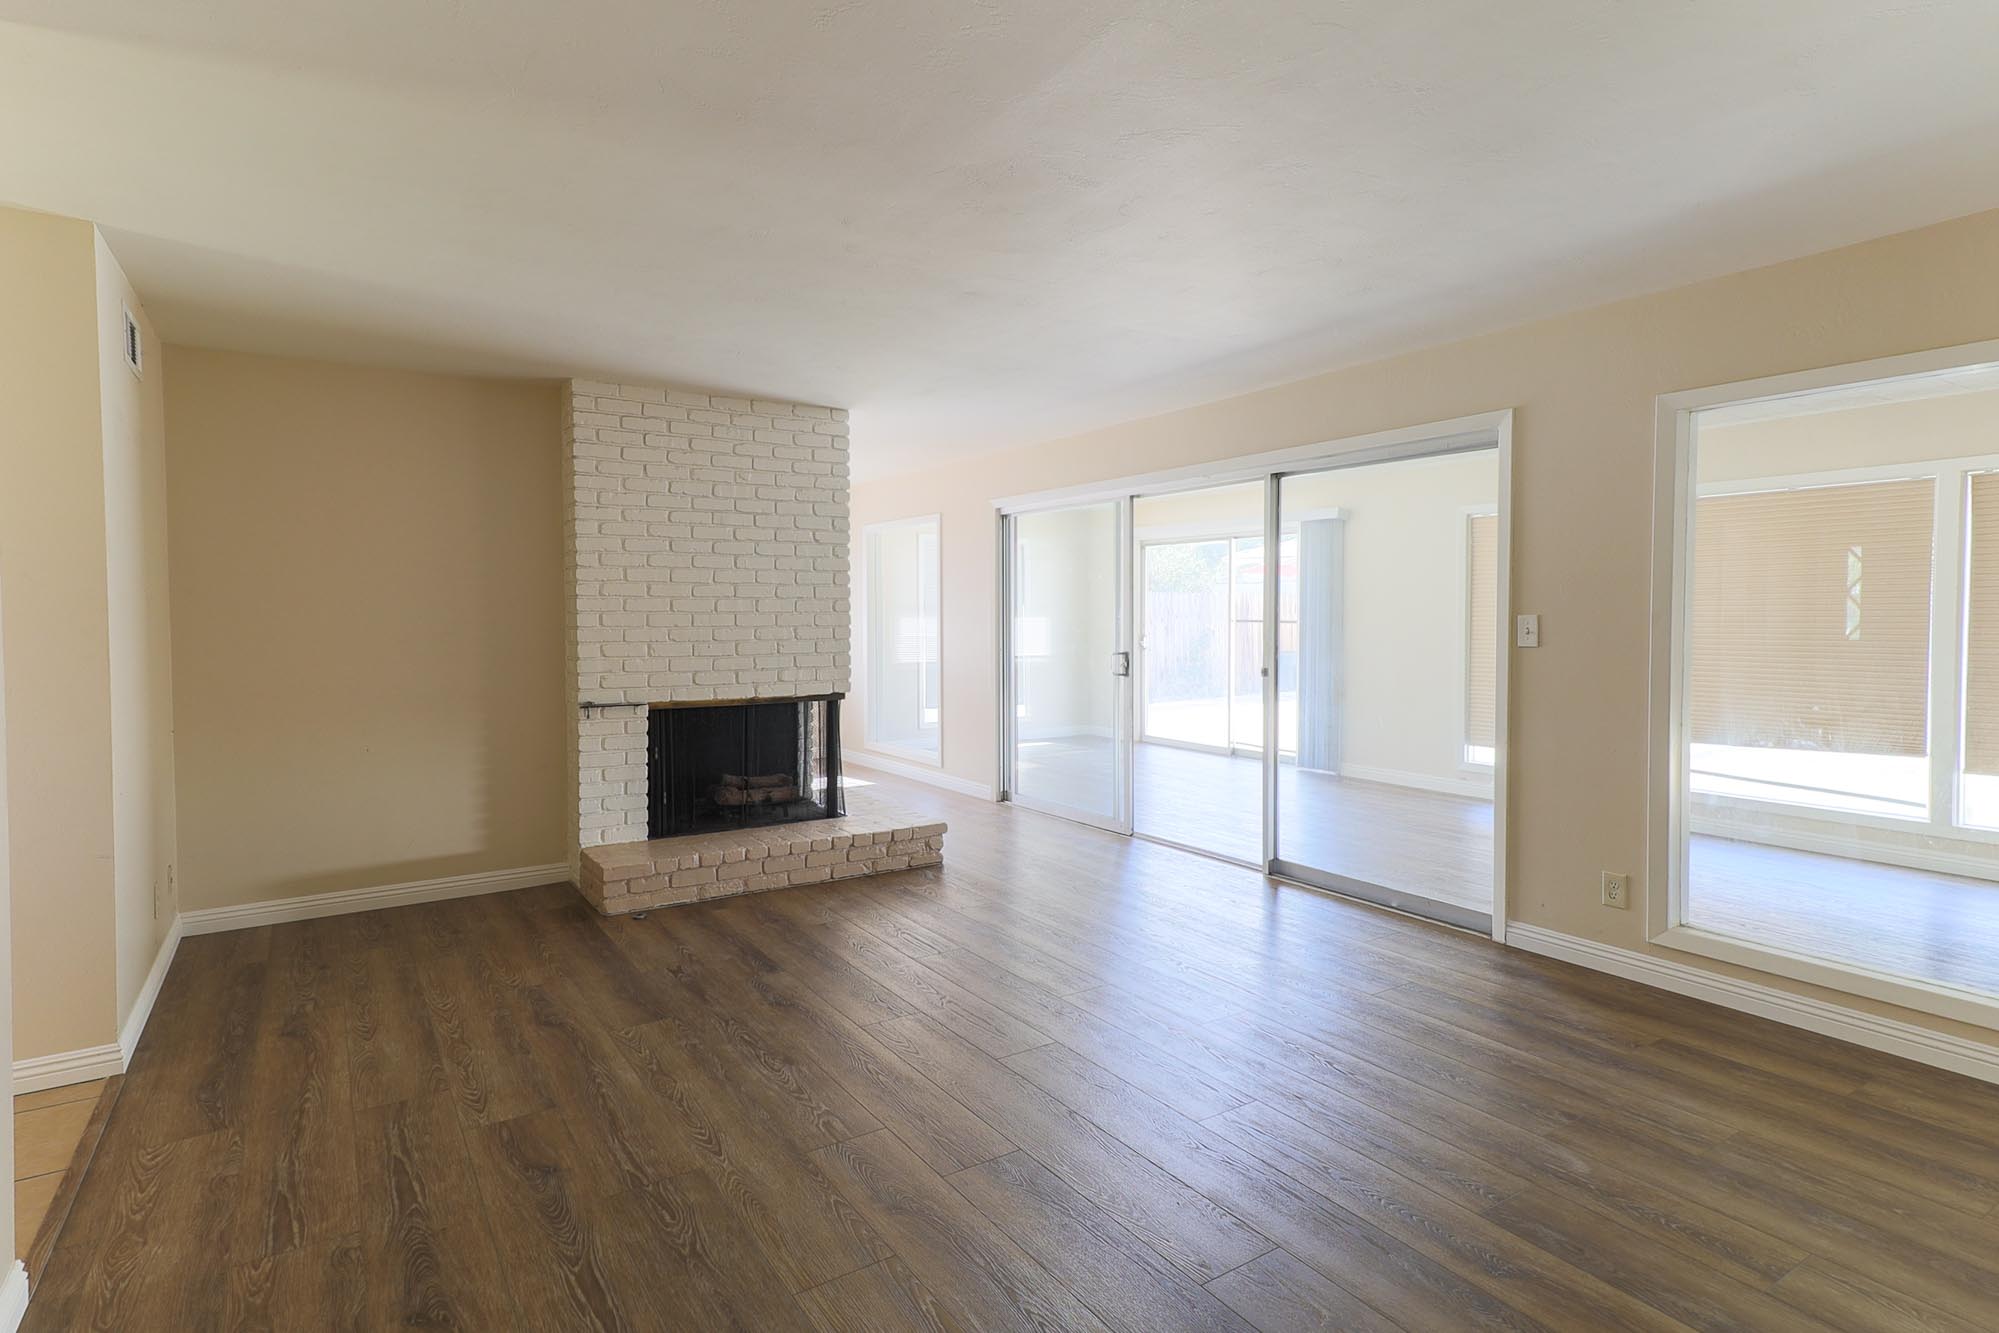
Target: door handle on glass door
{"points": [[1120, 664]]}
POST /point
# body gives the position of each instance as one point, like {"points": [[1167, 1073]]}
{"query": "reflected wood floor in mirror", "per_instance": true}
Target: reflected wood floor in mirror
{"points": [[1066, 1081], [1911, 923], [1435, 844]]}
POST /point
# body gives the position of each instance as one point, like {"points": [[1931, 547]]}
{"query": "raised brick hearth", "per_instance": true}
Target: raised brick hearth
{"points": [[874, 837]]}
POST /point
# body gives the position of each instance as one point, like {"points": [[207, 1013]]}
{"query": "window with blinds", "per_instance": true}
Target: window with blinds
{"points": [[1481, 630], [1811, 618]]}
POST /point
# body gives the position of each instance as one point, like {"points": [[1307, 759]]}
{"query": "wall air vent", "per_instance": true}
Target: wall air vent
{"points": [[135, 345]]}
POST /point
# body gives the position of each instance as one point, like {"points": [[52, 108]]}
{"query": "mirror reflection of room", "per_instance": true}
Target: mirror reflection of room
{"points": [[1065, 632], [1842, 711], [1386, 665]]}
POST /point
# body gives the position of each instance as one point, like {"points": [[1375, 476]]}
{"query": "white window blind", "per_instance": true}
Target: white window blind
{"points": [[1482, 629], [1811, 618]]}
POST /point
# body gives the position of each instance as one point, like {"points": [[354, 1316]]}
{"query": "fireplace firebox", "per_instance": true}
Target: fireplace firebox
{"points": [[712, 767]]}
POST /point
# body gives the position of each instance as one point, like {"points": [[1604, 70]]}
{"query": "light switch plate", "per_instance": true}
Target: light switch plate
{"points": [[1527, 632]]}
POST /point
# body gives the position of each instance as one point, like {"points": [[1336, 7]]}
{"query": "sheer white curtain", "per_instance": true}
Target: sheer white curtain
{"points": [[903, 710], [1321, 599]]}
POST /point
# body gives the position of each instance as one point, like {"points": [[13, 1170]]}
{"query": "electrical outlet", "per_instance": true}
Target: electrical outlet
{"points": [[1616, 890]]}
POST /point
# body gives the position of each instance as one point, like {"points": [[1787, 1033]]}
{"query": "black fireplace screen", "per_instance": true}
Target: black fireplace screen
{"points": [[713, 767]]}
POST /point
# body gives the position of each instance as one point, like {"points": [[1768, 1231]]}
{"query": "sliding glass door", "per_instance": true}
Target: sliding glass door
{"points": [[1386, 685], [1301, 671], [1197, 769], [1067, 661]]}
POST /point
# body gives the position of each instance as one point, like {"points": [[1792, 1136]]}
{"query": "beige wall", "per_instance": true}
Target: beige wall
{"points": [[367, 628], [1959, 425], [1584, 387], [7, 1236], [139, 631], [52, 569]]}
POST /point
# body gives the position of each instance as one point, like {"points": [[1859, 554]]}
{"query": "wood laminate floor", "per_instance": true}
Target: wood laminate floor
{"points": [[1066, 1081], [50, 1127]]}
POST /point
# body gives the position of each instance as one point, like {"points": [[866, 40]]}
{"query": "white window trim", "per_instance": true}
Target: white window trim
{"points": [[1668, 804], [864, 641]]}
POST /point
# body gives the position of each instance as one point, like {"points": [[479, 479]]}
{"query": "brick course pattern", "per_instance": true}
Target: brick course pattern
{"points": [[873, 838], [706, 557]]}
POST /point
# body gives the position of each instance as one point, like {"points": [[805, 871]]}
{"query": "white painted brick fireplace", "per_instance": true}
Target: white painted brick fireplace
{"points": [[707, 559], [707, 543]]}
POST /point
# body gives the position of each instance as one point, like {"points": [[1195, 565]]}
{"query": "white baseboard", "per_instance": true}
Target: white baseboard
{"points": [[902, 768], [276, 911], [1873, 1031], [66, 1067], [14, 1296], [1396, 777], [142, 1007]]}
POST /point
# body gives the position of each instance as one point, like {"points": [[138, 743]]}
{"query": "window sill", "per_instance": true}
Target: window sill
{"points": [[1818, 816], [1964, 1006]]}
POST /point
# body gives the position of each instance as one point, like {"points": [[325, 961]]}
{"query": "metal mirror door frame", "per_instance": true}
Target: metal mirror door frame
{"points": [[1122, 708], [1400, 900]]}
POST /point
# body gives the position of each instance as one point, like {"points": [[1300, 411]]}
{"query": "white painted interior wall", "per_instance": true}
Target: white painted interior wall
{"points": [[144, 818]]}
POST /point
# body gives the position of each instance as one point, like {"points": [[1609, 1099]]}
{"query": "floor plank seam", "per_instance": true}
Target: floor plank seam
{"points": [[1239, 1267]]}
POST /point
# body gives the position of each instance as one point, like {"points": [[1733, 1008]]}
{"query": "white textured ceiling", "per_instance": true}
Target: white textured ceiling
{"points": [[972, 223]]}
